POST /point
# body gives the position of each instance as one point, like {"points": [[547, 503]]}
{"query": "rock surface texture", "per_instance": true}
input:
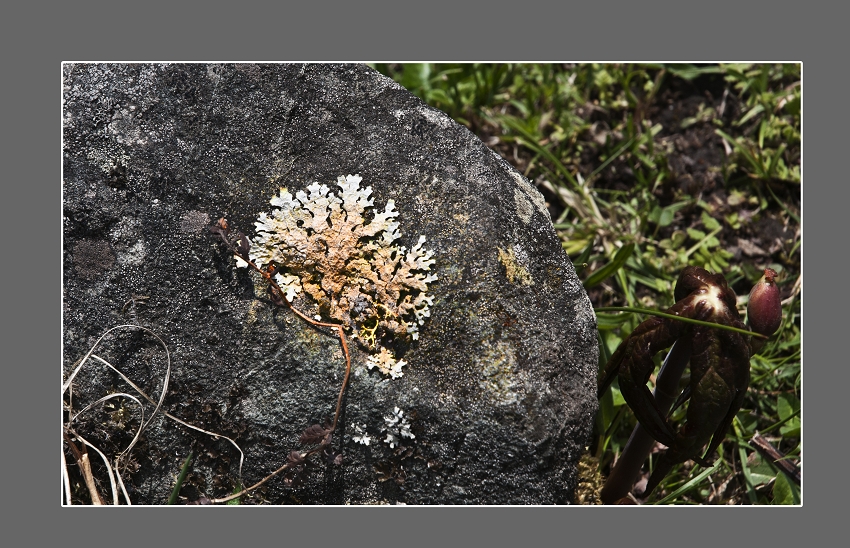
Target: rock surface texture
{"points": [[499, 387]]}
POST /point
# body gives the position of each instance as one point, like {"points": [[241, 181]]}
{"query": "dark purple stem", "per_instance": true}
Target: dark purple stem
{"points": [[626, 471]]}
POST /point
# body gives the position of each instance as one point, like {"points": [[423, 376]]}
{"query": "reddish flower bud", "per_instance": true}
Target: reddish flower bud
{"points": [[764, 310]]}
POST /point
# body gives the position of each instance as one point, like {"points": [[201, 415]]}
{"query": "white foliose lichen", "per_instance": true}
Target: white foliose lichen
{"points": [[397, 427], [361, 436], [343, 255]]}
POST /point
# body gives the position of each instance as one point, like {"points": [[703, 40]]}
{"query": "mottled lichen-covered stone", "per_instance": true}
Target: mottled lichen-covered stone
{"points": [[498, 392]]}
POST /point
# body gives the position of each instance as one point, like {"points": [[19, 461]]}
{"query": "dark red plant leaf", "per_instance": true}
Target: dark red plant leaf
{"points": [[295, 458], [312, 435]]}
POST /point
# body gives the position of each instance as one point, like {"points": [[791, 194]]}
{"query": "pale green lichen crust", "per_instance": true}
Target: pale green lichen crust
{"points": [[343, 253]]}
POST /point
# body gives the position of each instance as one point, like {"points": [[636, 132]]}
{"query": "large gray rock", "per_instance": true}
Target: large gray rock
{"points": [[499, 389]]}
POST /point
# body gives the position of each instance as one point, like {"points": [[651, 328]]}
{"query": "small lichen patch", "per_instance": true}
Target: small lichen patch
{"points": [[361, 436], [108, 159], [397, 427], [590, 481], [386, 363], [193, 222], [523, 206], [515, 272], [498, 377], [532, 193], [461, 218]]}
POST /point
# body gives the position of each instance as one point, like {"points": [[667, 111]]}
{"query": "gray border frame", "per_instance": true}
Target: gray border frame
{"points": [[532, 31]]}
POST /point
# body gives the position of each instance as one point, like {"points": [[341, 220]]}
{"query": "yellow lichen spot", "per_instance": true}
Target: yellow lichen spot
{"points": [[367, 334], [515, 272], [461, 218]]}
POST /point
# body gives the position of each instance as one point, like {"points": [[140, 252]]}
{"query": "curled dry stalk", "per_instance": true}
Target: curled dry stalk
{"points": [[239, 245], [114, 469]]}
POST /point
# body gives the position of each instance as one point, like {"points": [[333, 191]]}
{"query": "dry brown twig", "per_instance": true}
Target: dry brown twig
{"points": [[768, 451], [82, 458]]}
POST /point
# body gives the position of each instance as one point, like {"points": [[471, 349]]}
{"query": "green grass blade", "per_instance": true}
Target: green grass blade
{"points": [[781, 422], [238, 500], [184, 471], [745, 469], [757, 166], [531, 142], [606, 322], [783, 206], [674, 317], [785, 492], [691, 484], [616, 263], [771, 168], [611, 158], [690, 71]]}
